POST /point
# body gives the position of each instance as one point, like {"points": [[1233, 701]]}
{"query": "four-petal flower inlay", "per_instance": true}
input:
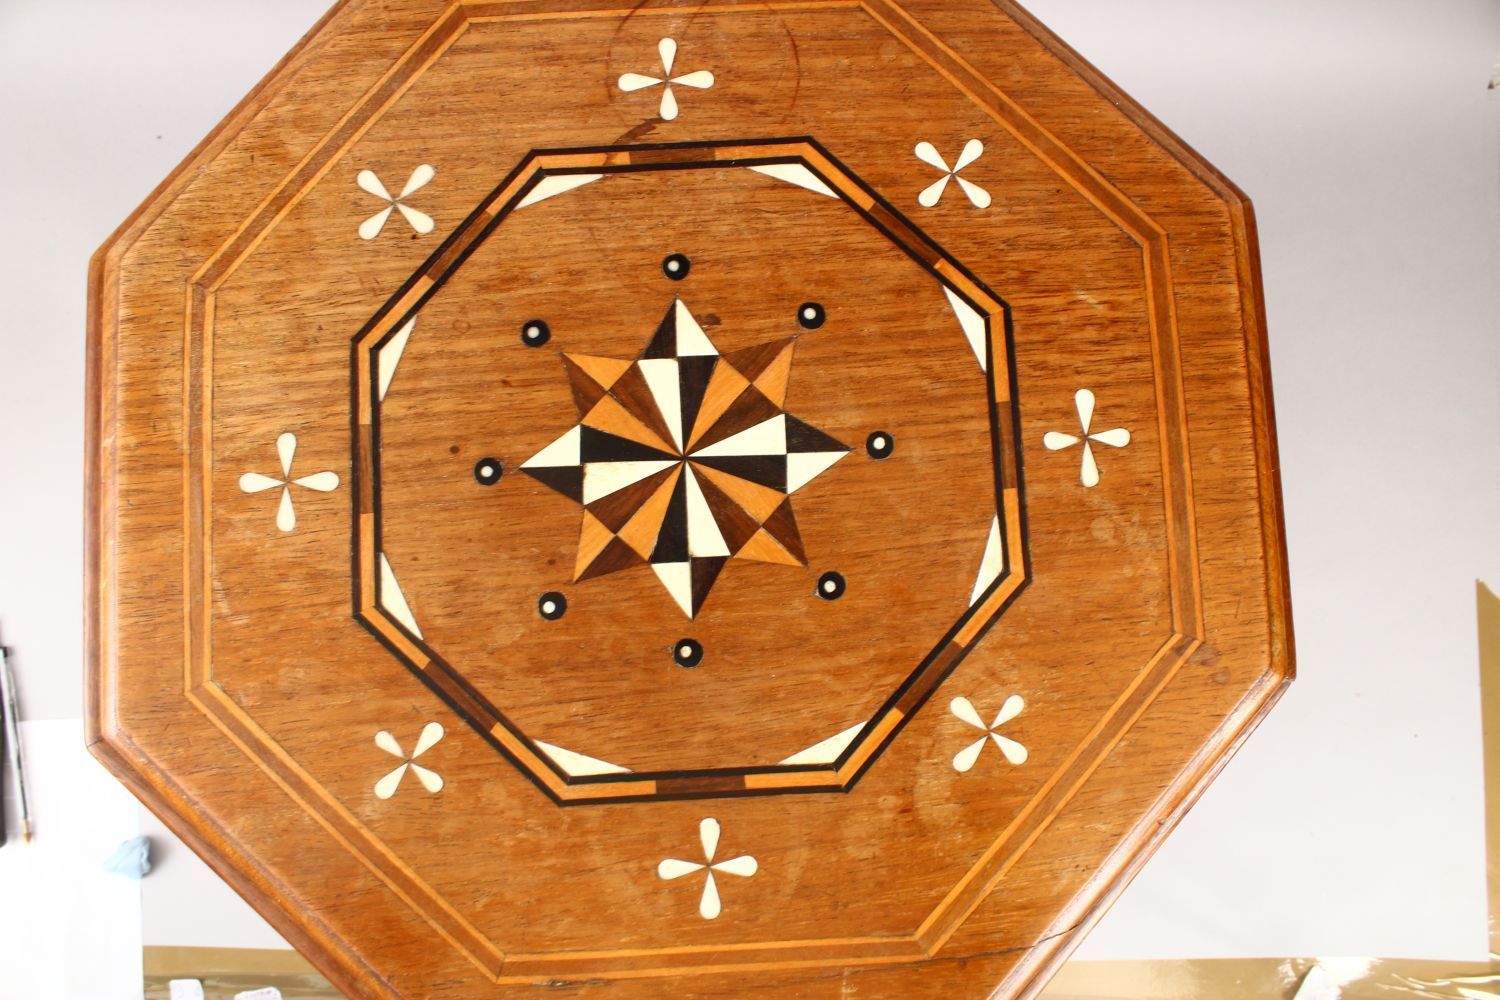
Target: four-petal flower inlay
{"points": [[684, 459], [667, 48], [433, 782], [1118, 437], [964, 709], [286, 450], [933, 193], [744, 866], [420, 221]]}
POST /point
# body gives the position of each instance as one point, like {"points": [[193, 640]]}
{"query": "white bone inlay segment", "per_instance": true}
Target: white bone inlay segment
{"points": [[1116, 437], [666, 50], [421, 222], [662, 379], [555, 184], [933, 193], [705, 540], [393, 600], [803, 467], [578, 765], [286, 453], [991, 565], [692, 342], [386, 787], [677, 577], [964, 710], [765, 438], [827, 751], [600, 479], [973, 325], [709, 904], [566, 450], [390, 355], [798, 174]]}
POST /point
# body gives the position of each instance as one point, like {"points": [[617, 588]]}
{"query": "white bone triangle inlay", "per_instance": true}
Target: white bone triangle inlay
{"points": [[664, 379], [576, 764], [677, 577], [991, 565], [393, 600], [803, 467], [796, 173], [565, 451], [390, 355], [972, 323], [600, 479], [692, 342], [765, 438], [704, 538], [828, 750], [554, 185]]}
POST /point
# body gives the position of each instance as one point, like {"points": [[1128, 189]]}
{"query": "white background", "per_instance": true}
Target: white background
{"points": [[1351, 824]]}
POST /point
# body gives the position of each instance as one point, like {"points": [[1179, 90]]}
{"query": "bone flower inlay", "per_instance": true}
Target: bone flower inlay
{"points": [[420, 221], [386, 786], [698, 79], [744, 866], [684, 459], [1014, 752], [933, 193], [286, 450], [1119, 437]]}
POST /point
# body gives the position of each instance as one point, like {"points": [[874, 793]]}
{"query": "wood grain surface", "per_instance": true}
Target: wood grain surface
{"points": [[717, 499]]}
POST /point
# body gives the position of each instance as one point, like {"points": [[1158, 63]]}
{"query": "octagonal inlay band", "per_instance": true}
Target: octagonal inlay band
{"points": [[678, 453]]}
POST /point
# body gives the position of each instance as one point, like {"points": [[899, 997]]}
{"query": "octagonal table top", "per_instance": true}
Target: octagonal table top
{"points": [[723, 499]]}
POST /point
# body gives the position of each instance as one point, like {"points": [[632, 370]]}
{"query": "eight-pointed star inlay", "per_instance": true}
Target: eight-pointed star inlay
{"points": [[684, 459]]}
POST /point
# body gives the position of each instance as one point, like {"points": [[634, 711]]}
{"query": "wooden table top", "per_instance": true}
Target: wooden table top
{"points": [[722, 499]]}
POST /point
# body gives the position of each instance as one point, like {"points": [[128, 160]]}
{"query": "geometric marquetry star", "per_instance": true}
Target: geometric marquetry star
{"points": [[683, 459]]}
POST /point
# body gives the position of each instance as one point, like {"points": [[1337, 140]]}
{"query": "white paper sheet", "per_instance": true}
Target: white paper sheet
{"points": [[69, 930]]}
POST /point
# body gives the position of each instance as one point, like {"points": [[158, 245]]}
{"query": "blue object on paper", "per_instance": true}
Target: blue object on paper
{"points": [[131, 859]]}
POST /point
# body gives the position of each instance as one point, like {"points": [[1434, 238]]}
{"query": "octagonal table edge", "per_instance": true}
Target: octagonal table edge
{"points": [[104, 736], [113, 747], [1281, 638]]}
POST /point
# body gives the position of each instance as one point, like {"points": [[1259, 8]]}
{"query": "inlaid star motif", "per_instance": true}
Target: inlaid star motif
{"points": [[684, 459]]}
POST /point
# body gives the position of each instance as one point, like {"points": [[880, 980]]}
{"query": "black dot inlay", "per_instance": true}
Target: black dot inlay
{"points": [[676, 266], [831, 586], [536, 333], [687, 652], [552, 605], [811, 315], [880, 444], [487, 471]]}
